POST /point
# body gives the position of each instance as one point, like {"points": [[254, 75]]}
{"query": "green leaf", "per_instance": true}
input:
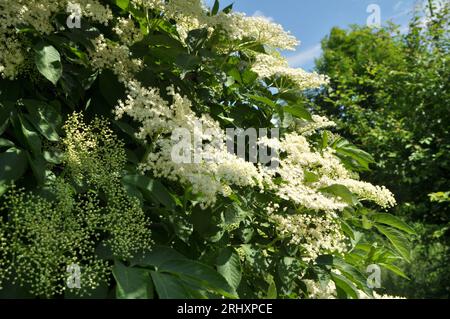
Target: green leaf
{"points": [[347, 230], [249, 77], [48, 62], [342, 192], [298, 112], [122, 4], [233, 214], [228, 9], [394, 269], [4, 117], [203, 275], [37, 164], [196, 38], [170, 287], [393, 221], [13, 164], [324, 140], [272, 290], [6, 143], [352, 273], [152, 189], [324, 260], [310, 177], [132, 283], [215, 8], [127, 129], [345, 286], [263, 99], [32, 138], [206, 224], [358, 158], [188, 62], [366, 223], [157, 256], [397, 239], [53, 156], [44, 117], [229, 266]]}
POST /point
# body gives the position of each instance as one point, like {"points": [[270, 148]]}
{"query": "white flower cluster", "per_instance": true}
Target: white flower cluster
{"points": [[36, 14], [300, 158], [315, 233], [241, 27], [192, 14], [317, 291], [318, 122], [116, 57], [378, 194], [217, 169], [376, 295], [315, 229], [127, 31], [274, 65], [313, 225]]}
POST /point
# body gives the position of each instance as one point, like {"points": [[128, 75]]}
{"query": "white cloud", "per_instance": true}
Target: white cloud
{"points": [[305, 57], [261, 14]]}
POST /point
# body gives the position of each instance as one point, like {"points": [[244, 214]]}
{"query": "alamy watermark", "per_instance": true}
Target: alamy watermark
{"points": [[74, 277], [374, 19], [74, 19], [374, 279]]}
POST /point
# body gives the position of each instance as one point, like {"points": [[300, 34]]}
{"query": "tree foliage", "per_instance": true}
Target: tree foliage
{"points": [[389, 92], [91, 110]]}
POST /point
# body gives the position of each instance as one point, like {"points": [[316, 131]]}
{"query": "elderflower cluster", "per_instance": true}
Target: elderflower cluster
{"points": [[300, 158], [270, 65], [113, 56], [38, 15], [241, 27], [127, 31], [95, 156], [376, 295], [307, 128], [314, 233], [316, 229], [44, 235], [217, 168], [192, 14], [378, 194], [146, 106], [4, 251], [92, 150], [317, 290], [12, 57]]}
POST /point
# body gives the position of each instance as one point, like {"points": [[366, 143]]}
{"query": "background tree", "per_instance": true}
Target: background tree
{"points": [[389, 92]]}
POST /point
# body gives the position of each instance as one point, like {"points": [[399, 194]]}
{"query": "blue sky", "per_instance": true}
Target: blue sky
{"points": [[311, 20]]}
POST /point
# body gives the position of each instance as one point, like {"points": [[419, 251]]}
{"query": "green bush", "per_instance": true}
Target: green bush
{"points": [[87, 122]]}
